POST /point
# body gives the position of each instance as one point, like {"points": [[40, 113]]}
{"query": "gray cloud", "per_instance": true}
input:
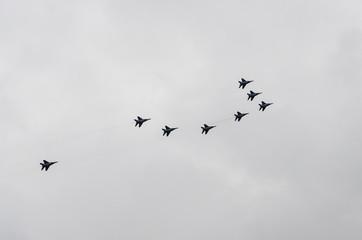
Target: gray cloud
{"points": [[75, 74]]}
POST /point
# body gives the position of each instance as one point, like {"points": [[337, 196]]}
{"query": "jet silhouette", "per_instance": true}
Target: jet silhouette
{"points": [[244, 82], [263, 105], [167, 130], [252, 95], [46, 165], [140, 121], [239, 115], [205, 128]]}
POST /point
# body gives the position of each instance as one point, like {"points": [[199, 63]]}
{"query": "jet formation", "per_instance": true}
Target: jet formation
{"points": [[205, 129]]}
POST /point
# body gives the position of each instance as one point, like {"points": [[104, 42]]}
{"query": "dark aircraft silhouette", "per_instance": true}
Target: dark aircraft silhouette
{"points": [[205, 128], [167, 130], [244, 82], [239, 115], [263, 105], [140, 121], [46, 165], [252, 95]]}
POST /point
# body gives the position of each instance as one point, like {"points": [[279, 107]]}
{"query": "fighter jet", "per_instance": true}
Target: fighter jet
{"points": [[252, 95], [140, 121], [205, 128], [263, 105], [167, 130], [244, 82], [46, 165], [239, 115]]}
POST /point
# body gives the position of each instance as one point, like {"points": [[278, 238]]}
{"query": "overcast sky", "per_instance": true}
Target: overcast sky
{"points": [[74, 75]]}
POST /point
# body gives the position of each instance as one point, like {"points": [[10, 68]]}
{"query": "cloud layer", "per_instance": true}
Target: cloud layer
{"points": [[75, 74]]}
